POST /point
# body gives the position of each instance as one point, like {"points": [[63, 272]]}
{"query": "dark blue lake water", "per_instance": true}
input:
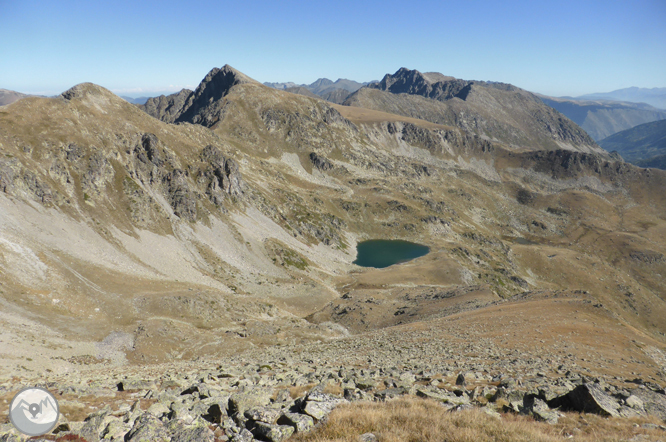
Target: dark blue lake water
{"points": [[380, 253]]}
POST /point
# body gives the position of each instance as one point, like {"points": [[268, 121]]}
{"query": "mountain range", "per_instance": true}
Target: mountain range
{"points": [[333, 91], [653, 96], [214, 232], [494, 111]]}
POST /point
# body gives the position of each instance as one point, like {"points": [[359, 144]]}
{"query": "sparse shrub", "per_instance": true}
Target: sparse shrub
{"points": [[524, 197]]}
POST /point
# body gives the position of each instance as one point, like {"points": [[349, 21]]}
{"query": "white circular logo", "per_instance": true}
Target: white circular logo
{"points": [[34, 411]]}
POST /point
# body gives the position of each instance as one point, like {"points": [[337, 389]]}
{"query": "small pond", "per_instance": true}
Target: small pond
{"points": [[380, 253]]}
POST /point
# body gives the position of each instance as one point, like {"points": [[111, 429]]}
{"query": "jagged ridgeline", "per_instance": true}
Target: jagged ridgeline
{"points": [[495, 111], [214, 220]]}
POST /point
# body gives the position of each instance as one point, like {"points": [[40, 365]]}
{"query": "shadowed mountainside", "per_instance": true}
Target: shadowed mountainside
{"points": [[643, 144]]}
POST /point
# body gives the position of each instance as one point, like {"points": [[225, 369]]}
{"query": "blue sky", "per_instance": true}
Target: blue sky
{"points": [[140, 47]]}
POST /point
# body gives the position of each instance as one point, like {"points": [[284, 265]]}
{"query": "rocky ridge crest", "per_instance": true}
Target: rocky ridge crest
{"points": [[201, 106], [497, 111]]}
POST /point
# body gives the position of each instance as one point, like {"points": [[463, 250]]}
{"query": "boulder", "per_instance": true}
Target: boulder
{"points": [[147, 428], [319, 404], [588, 398], [115, 430], [239, 403], [198, 431], [391, 393], [654, 403], [158, 409], [539, 409], [300, 422], [243, 436], [93, 425], [272, 433], [135, 385], [262, 414]]}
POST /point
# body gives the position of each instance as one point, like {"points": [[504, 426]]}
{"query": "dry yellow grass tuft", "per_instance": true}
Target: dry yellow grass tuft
{"points": [[415, 419]]}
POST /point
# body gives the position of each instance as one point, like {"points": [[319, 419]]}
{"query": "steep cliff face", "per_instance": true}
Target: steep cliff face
{"points": [[167, 108]]}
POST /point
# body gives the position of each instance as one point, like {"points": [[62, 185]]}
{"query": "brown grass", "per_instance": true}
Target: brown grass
{"points": [[364, 115], [413, 419], [300, 390]]}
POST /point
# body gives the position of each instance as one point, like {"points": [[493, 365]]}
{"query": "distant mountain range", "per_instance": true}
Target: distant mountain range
{"points": [[602, 118], [653, 96], [599, 114], [333, 91], [139, 100], [643, 145]]}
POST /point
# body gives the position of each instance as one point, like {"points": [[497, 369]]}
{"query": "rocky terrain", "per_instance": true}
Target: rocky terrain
{"points": [[195, 255], [603, 118], [271, 393]]}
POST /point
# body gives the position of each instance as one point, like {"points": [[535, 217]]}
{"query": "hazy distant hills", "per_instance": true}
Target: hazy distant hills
{"points": [[139, 100], [495, 111], [654, 96], [334, 91], [8, 97], [602, 118], [643, 145]]}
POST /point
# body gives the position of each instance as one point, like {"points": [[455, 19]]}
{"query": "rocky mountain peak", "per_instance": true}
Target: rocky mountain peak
{"points": [[322, 82], [201, 106], [408, 81], [217, 82], [83, 90], [227, 73]]}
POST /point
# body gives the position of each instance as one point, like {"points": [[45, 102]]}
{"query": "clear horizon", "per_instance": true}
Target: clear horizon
{"points": [[566, 48]]}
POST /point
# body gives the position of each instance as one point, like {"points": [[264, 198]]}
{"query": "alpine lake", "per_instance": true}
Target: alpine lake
{"points": [[381, 253]]}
